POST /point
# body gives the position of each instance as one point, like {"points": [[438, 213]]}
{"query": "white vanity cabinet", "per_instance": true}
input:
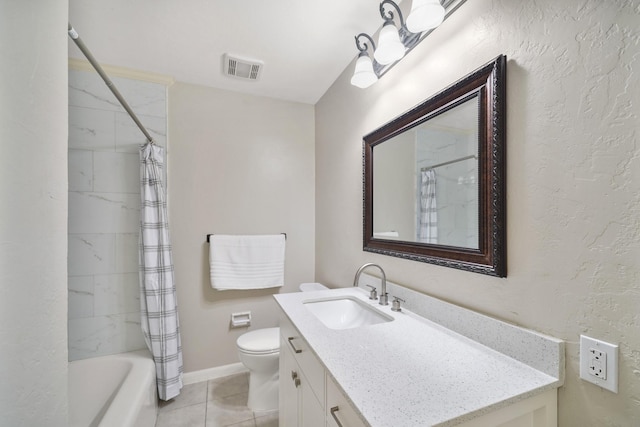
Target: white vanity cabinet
{"points": [[301, 381], [412, 371]]}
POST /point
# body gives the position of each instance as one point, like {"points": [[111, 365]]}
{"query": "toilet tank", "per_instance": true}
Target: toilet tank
{"points": [[309, 287]]}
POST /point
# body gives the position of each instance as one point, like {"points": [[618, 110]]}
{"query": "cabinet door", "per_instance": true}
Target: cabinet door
{"points": [[339, 411], [290, 392], [311, 411], [305, 357]]}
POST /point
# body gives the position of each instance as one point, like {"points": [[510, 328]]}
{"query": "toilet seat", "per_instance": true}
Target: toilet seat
{"points": [[260, 341]]}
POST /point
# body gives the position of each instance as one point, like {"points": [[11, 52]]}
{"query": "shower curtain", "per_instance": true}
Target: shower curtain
{"points": [[157, 288], [428, 229]]}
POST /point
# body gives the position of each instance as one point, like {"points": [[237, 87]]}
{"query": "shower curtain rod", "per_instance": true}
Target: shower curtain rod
{"points": [[426, 168], [83, 48]]}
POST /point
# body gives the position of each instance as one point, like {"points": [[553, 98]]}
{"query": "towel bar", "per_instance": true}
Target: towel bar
{"points": [[209, 236]]}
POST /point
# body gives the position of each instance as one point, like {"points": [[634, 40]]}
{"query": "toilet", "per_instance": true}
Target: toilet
{"points": [[259, 352]]}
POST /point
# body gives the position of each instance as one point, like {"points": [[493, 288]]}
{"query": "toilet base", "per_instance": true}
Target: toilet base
{"points": [[263, 391]]}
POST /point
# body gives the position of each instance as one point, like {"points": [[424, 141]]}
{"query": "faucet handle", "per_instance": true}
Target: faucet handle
{"points": [[374, 293], [395, 305]]}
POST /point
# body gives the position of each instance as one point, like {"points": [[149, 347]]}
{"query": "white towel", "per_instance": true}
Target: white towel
{"points": [[246, 262], [383, 234]]}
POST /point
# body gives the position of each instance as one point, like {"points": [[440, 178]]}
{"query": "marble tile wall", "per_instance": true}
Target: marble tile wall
{"points": [[104, 206]]}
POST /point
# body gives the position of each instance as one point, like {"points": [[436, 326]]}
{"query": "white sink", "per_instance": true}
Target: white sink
{"points": [[345, 312]]}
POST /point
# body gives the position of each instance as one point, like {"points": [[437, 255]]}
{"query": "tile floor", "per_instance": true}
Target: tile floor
{"points": [[216, 403]]}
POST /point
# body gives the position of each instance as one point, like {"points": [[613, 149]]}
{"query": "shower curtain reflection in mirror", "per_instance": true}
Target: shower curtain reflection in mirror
{"points": [[428, 223]]}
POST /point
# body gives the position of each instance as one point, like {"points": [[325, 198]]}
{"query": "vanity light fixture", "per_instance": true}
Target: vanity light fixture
{"points": [[394, 42]]}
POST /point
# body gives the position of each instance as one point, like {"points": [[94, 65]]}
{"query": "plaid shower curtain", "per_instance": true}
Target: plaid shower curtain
{"points": [[157, 288], [428, 230]]}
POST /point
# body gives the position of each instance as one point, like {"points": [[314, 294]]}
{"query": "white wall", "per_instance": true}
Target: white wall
{"points": [[239, 164], [33, 213], [104, 209], [573, 178]]}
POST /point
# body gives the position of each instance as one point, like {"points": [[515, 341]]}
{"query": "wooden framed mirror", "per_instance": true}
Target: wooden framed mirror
{"points": [[434, 178]]}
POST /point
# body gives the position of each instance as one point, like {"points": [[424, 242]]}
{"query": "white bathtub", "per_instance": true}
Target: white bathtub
{"points": [[113, 391]]}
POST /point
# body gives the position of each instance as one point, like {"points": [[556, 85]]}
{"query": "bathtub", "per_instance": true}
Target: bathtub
{"points": [[110, 391]]}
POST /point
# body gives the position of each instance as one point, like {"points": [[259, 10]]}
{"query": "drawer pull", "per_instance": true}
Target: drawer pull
{"points": [[335, 417], [297, 350]]}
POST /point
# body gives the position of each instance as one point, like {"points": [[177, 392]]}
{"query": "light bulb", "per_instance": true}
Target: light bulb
{"points": [[425, 15]]}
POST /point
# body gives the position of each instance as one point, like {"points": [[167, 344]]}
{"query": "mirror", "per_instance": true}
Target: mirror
{"points": [[434, 178]]}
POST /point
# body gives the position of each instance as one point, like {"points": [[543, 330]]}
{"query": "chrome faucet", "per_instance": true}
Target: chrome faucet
{"points": [[384, 298]]}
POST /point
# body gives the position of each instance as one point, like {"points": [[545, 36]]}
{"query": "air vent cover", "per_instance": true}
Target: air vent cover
{"points": [[242, 68]]}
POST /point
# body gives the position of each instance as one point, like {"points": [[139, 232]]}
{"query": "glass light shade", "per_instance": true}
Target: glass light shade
{"points": [[390, 48], [363, 75], [425, 15]]}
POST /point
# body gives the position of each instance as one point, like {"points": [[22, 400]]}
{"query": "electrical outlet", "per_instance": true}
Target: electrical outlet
{"points": [[599, 363]]}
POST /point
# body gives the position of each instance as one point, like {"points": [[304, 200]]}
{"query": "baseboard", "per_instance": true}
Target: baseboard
{"points": [[213, 373]]}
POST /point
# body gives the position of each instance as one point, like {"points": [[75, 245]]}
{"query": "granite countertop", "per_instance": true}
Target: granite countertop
{"points": [[412, 371]]}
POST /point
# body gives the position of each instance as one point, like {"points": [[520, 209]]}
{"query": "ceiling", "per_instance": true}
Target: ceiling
{"points": [[305, 44]]}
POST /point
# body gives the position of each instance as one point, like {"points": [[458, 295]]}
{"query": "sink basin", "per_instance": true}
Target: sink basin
{"points": [[345, 313]]}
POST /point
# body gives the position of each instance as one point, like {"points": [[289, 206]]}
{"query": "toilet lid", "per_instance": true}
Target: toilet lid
{"points": [[260, 341]]}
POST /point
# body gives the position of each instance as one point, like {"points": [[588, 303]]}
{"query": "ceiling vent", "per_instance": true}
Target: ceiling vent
{"points": [[242, 68]]}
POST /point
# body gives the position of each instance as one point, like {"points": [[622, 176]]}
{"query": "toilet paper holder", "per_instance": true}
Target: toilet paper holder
{"points": [[241, 319]]}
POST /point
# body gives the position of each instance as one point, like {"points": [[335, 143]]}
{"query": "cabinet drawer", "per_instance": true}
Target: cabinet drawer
{"points": [[307, 360], [339, 411]]}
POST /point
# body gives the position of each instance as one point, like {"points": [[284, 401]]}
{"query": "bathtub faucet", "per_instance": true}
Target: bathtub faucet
{"points": [[384, 298]]}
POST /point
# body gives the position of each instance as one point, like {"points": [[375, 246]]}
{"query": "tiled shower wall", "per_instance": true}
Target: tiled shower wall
{"points": [[104, 207]]}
